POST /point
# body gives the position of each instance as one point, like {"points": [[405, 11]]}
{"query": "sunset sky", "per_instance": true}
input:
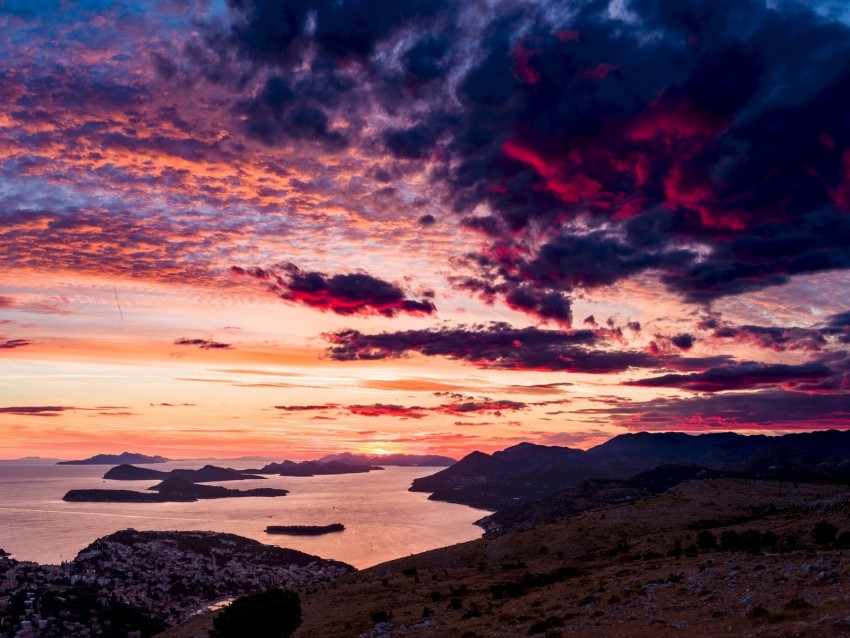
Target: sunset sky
{"points": [[262, 227]]}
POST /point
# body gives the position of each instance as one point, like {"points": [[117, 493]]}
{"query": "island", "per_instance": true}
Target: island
{"points": [[113, 459], [305, 530], [314, 468], [171, 490], [207, 474]]}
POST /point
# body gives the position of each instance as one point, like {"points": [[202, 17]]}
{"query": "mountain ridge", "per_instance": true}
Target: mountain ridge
{"points": [[527, 471]]}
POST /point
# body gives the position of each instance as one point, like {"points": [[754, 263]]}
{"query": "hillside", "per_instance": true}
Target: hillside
{"points": [[528, 472], [708, 557]]}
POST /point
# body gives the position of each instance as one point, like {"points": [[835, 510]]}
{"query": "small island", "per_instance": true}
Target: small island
{"points": [[113, 459], [313, 468], [171, 490], [305, 530], [207, 474]]}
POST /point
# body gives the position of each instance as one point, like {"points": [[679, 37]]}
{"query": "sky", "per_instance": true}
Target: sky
{"points": [[293, 228]]}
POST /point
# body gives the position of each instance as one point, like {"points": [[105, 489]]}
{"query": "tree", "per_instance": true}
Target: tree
{"points": [[275, 613]]}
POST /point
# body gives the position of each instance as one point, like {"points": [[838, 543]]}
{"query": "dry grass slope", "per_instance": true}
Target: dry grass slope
{"points": [[642, 569]]}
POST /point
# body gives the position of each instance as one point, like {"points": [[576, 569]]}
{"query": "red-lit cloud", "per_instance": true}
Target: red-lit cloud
{"points": [[346, 294]]}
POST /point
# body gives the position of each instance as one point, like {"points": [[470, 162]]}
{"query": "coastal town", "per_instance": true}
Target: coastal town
{"points": [[134, 584]]}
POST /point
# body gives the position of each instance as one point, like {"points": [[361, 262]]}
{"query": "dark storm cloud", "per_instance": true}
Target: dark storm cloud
{"points": [[688, 124], [706, 143], [343, 294], [277, 32], [275, 114], [498, 345], [322, 59]]}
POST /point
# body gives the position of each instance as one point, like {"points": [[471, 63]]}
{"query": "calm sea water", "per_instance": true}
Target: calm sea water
{"points": [[382, 519]]}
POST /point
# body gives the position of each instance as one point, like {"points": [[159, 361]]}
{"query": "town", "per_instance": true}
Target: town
{"points": [[134, 584]]}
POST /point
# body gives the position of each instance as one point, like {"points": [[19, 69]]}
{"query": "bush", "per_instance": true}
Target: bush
{"points": [[706, 540], [275, 613], [824, 533], [751, 540], [380, 616]]}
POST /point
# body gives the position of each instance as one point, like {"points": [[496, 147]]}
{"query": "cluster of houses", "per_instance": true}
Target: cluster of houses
{"points": [[160, 577]]}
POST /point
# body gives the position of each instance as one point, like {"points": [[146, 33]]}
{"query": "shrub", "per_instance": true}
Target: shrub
{"points": [[824, 533], [706, 540], [380, 616]]}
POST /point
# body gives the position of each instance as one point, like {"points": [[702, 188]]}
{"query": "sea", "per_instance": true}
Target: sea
{"points": [[382, 519]]}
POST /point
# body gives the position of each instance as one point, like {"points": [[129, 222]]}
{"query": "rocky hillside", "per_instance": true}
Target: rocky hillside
{"points": [[708, 557]]}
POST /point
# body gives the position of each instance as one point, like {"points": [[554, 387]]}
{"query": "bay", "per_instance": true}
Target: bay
{"points": [[383, 520]]}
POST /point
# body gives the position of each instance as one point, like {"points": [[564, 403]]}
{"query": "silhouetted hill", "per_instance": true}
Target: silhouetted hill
{"points": [[528, 472], [115, 459]]}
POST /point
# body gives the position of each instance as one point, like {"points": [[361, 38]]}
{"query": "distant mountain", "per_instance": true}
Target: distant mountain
{"points": [[409, 460], [115, 459], [528, 472], [206, 474], [314, 468]]}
